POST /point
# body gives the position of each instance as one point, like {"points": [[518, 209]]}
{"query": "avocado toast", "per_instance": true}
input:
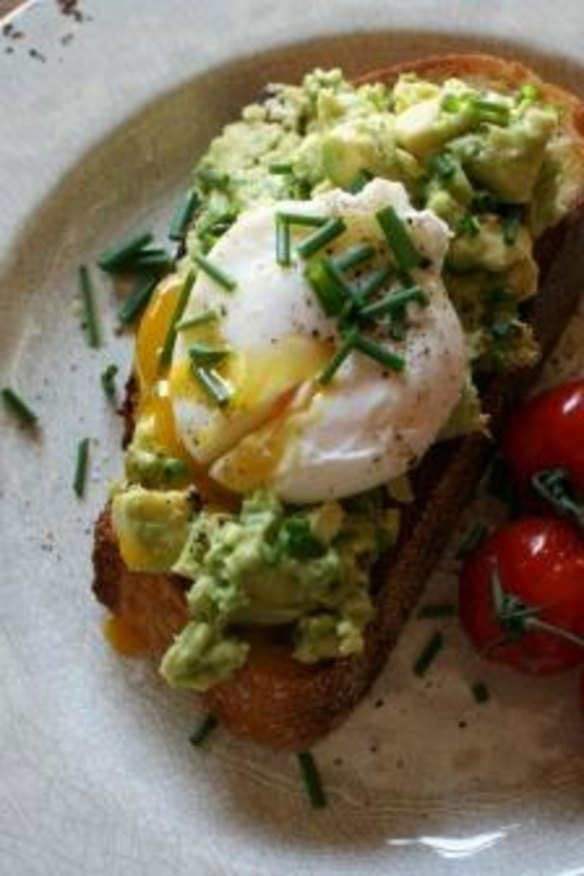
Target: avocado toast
{"points": [[497, 156]]}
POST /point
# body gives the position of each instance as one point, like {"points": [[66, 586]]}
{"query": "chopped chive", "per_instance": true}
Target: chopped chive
{"points": [[490, 110], [203, 730], [405, 253], [202, 318], [216, 273], [331, 288], [480, 692], [453, 103], [358, 184], [338, 358], [436, 610], [311, 780], [280, 167], [174, 468], [428, 654], [443, 165], [114, 258], [510, 226], [90, 320], [473, 538], [212, 178], [374, 282], [395, 302], [302, 219], [354, 256], [183, 213], [323, 236], [137, 300], [207, 354], [81, 465], [380, 354], [156, 260], [282, 241], [529, 92], [169, 340], [216, 389], [468, 225], [108, 380], [18, 407]]}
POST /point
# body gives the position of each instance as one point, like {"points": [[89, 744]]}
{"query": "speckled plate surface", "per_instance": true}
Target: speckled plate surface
{"points": [[102, 112]]}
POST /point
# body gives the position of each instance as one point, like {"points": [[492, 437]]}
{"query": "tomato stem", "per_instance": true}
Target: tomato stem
{"points": [[555, 486]]}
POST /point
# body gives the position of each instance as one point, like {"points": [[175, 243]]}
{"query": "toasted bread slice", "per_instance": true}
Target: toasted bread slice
{"points": [[275, 700]]}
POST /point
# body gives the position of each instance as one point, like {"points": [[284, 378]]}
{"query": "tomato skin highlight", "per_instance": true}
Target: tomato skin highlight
{"points": [[540, 561], [548, 432]]}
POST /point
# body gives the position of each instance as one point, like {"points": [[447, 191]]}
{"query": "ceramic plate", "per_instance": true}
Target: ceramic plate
{"points": [[103, 109]]}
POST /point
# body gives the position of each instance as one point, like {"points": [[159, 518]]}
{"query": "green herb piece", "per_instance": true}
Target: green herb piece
{"points": [[437, 610], [398, 238], [490, 110], [169, 341], [374, 282], [555, 486], [81, 466], [395, 303], [453, 103], [510, 227], [297, 539], [354, 257], [280, 167], [331, 288], [358, 184], [108, 380], [283, 242], [216, 273], [211, 178], [183, 214], [480, 692], [208, 354], [90, 319], [137, 300], [16, 406], [443, 165], [428, 654], [311, 780], [203, 318], [380, 354], [203, 730], [468, 225], [216, 389], [174, 468], [484, 202], [529, 92], [116, 257], [323, 236], [154, 260], [338, 358], [306, 220], [473, 539]]}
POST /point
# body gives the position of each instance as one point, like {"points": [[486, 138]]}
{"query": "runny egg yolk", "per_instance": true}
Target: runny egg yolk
{"points": [[153, 329]]}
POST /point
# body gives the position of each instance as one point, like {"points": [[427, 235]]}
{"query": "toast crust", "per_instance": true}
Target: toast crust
{"points": [[275, 700]]}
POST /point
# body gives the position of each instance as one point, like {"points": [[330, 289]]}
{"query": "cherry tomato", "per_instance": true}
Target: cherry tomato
{"points": [[548, 432], [522, 596]]}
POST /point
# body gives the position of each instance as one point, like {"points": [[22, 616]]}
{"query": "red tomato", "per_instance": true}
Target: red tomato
{"points": [[548, 432], [539, 562]]}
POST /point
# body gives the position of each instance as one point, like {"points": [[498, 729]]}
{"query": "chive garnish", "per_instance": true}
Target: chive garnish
{"points": [[428, 654], [398, 238], [529, 92], [90, 319], [174, 468], [216, 389], [395, 303], [202, 318], [81, 466], [338, 358], [443, 165], [137, 300], [183, 214], [510, 227], [280, 167], [323, 236], [212, 178], [468, 225], [490, 110], [374, 282], [207, 354], [153, 259], [108, 380], [331, 288], [169, 341], [16, 405], [473, 538], [480, 692], [282, 241], [436, 610], [358, 184], [380, 354], [306, 220], [203, 730], [311, 780], [354, 257], [215, 273], [114, 258], [453, 103]]}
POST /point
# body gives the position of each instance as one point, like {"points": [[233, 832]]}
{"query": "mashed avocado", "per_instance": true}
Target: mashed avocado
{"points": [[493, 165], [269, 566]]}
